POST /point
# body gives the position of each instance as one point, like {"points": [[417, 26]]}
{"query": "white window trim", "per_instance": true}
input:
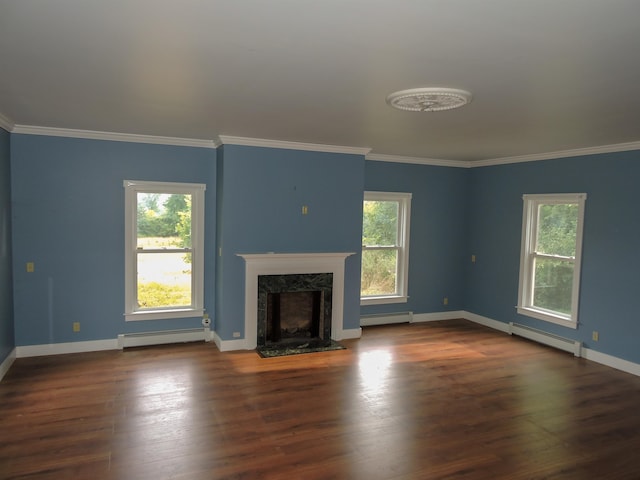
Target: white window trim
{"points": [[402, 275], [529, 236], [196, 190]]}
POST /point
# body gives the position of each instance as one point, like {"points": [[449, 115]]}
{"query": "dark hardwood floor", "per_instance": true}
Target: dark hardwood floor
{"points": [[422, 401]]}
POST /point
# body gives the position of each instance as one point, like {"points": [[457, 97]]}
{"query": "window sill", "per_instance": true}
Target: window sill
{"points": [[381, 300], [163, 314], [547, 316]]}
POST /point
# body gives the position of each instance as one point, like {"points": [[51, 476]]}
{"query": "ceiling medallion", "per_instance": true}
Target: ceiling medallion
{"points": [[432, 99]]}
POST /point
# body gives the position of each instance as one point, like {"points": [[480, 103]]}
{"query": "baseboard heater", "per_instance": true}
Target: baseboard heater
{"points": [[566, 344], [163, 337], [386, 318]]}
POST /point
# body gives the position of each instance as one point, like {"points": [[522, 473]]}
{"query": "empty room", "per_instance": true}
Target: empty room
{"points": [[339, 239]]}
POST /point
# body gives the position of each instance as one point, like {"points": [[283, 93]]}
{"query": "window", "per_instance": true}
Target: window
{"points": [[550, 257], [385, 247], [164, 235]]}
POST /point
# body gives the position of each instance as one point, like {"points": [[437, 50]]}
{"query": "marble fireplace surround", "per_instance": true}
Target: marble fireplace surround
{"points": [[257, 264]]}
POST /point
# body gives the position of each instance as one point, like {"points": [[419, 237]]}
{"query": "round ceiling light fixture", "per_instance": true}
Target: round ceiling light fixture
{"points": [[430, 99]]}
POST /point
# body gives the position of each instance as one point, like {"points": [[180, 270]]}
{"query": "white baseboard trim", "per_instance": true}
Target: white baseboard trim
{"points": [[434, 317], [163, 337], [6, 363], [587, 353], [240, 344], [409, 317], [98, 345], [611, 361], [349, 334], [229, 345], [386, 319], [437, 316], [62, 348], [486, 321]]}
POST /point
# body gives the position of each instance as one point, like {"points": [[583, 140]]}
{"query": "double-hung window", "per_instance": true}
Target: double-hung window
{"points": [[550, 257], [164, 261], [385, 247]]}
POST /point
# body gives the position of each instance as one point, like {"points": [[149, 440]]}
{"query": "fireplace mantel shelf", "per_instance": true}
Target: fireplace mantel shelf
{"points": [[271, 255]]}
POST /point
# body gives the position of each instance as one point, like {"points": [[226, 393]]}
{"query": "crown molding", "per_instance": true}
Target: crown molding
{"points": [[6, 123], [113, 136], [438, 162], [312, 147], [9, 126], [577, 152]]}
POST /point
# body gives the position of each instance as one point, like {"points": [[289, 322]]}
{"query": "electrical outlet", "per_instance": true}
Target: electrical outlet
{"points": [[595, 336], [236, 334], [76, 327], [30, 267], [445, 301], [473, 259]]}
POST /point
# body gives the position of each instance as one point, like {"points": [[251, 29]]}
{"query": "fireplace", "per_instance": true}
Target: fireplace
{"points": [[301, 265], [294, 310]]}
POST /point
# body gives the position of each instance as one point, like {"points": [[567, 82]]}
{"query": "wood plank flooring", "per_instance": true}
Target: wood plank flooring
{"points": [[433, 400]]}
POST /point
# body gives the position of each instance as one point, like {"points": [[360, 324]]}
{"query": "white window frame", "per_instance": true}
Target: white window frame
{"points": [[196, 190], [528, 256], [402, 247]]}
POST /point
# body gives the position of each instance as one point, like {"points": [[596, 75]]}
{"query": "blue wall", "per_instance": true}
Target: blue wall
{"points": [[7, 337], [68, 218], [261, 192], [438, 236], [610, 264]]}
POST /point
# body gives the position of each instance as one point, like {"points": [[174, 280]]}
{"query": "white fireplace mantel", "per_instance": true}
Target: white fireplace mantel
{"points": [[289, 264]]}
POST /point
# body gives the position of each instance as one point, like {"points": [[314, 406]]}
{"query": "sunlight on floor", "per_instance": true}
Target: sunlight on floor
{"points": [[374, 369]]}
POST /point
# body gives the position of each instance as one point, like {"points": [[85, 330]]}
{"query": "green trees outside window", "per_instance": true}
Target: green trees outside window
{"points": [[556, 251], [385, 243], [163, 250], [550, 258], [380, 256]]}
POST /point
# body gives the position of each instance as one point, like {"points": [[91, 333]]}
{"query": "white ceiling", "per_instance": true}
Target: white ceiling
{"points": [[546, 75]]}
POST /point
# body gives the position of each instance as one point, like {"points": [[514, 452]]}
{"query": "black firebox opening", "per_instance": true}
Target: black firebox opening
{"points": [[294, 317], [294, 311]]}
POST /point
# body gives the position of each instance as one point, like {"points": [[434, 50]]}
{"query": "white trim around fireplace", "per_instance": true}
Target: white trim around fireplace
{"points": [[290, 264]]}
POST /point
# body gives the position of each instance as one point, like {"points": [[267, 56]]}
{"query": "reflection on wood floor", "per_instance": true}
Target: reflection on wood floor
{"points": [[422, 401]]}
